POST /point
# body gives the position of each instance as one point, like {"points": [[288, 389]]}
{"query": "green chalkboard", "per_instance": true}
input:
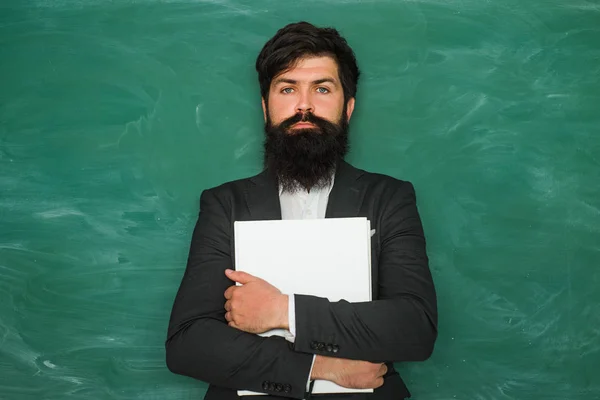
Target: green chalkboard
{"points": [[115, 115]]}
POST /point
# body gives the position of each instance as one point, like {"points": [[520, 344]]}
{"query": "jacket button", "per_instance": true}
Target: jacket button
{"points": [[321, 346], [336, 348], [265, 385], [278, 387], [271, 386], [314, 345], [287, 388], [329, 347]]}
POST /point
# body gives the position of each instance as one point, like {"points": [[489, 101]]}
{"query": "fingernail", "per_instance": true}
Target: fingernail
{"points": [[228, 271]]}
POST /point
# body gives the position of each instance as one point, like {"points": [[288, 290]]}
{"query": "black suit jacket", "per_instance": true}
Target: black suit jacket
{"points": [[400, 324]]}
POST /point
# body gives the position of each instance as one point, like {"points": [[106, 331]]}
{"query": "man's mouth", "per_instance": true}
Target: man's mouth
{"points": [[302, 124]]}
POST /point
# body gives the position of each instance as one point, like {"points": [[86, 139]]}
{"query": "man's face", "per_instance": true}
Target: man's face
{"points": [[312, 86], [306, 124]]}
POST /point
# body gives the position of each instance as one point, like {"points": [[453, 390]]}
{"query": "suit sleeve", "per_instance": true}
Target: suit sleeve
{"points": [[201, 345], [401, 325]]}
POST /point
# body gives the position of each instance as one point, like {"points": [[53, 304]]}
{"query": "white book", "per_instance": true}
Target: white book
{"points": [[328, 257]]}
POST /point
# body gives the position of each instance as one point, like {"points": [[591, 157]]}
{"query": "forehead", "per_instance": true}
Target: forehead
{"points": [[311, 68]]}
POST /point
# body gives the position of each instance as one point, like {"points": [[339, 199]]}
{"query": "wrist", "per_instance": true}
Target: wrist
{"points": [[320, 368], [284, 321]]}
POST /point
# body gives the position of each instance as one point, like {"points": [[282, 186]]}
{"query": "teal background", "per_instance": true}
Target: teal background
{"points": [[115, 115]]}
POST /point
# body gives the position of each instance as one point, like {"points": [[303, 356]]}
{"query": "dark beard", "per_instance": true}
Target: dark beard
{"points": [[305, 158]]}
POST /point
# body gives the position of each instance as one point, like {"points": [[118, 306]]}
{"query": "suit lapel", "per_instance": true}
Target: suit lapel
{"points": [[346, 197], [262, 197]]}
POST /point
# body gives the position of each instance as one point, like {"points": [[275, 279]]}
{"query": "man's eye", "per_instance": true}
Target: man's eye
{"points": [[287, 90], [322, 90]]}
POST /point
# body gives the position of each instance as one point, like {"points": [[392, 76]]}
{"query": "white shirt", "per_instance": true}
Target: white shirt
{"points": [[302, 205]]}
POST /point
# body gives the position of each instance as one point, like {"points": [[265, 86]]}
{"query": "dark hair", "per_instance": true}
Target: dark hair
{"points": [[298, 40]]}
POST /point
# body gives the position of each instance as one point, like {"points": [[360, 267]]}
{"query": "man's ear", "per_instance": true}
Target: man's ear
{"points": [[264, 107], [350, 107]]}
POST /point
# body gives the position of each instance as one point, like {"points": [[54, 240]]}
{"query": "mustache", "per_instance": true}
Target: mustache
{"points": [[304, 117]]}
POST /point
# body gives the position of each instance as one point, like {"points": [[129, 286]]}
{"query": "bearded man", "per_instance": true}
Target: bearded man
{"points": [[308, 78]]}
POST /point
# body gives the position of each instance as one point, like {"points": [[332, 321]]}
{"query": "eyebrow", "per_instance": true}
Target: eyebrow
{"points": [[294, 82]]}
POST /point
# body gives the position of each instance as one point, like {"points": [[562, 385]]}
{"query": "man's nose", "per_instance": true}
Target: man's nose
{"points": [[304, 103]]}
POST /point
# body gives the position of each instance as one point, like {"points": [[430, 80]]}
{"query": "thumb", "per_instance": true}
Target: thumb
{"points": [[240, 276]]}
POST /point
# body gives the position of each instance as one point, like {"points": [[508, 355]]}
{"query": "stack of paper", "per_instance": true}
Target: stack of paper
{"points": [[324, 257]]}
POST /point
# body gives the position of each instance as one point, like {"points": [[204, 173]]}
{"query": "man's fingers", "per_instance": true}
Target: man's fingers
{"points": [[228, 305], [382, 370], [229, 292], [378, 383], [228, 316], [239, 276]]}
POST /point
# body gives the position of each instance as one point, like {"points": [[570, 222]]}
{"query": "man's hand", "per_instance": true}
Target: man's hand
{"points": [[256, 306], [349, 373]]}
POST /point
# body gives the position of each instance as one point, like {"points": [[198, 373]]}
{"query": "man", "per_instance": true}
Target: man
{"points": [[308, 79]]}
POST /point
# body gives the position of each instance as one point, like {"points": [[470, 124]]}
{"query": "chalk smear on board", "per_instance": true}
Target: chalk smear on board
{"points": [[480, 102], [59, 212]]}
